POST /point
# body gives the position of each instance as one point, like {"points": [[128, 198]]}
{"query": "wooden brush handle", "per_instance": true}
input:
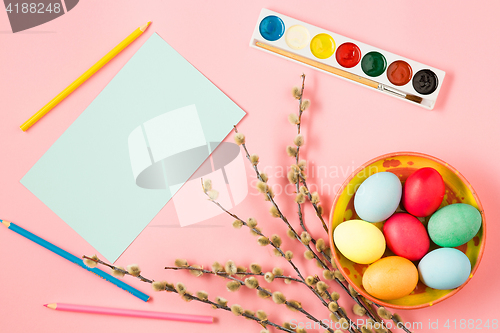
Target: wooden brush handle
{"points": [[319, 65]]}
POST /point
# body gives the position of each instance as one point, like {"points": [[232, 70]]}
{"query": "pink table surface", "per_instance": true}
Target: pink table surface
{"points": [[345, 126]]}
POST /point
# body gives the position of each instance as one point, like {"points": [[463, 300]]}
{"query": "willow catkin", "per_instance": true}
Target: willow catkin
{"points": [[274, 212], [237, 224], [261, 315], [305, 237], [269, 277], [263, 241], [198, 271], [278, 297], [217, 267], [358, 310], [233, 286], [251, 222], [296, 93], [328, 275], [276, 240], [213, 194], [299, 140], [384, 313], [293, 119], [255, 268], [203, 295], [309, 255], [91, 262], [251, 282], [305, 104], [239, 138], [333, 306], [159, 285], [231, 267], [291, 151], [254, 159], [322, 286], [134, 270], [181, 288], [221, 301], [293, 305], [300, 198], [119, 271], [207, 185], [237, 310]]}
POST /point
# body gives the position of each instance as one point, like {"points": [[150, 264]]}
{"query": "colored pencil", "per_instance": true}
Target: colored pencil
{"points": [[131, 313], [74, 259], [104, 60]]}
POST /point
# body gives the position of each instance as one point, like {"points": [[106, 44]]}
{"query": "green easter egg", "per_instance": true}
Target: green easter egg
{"points": [[454, 225]]}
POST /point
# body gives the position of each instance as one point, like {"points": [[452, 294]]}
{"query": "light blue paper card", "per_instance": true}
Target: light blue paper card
{"points": [[136, 144]]}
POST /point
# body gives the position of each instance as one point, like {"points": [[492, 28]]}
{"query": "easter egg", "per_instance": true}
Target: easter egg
{"points": [[359, 241], [390, 278], [423, 192], [406, 236], [454, 225], [378, 197], [444, 268]]}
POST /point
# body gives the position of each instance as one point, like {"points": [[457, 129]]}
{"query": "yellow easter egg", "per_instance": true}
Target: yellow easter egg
{"points": [[390, 278], [359, 241]]}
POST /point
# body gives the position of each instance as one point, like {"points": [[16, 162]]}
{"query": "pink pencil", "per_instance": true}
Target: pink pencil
{"points": [[130, 313]]}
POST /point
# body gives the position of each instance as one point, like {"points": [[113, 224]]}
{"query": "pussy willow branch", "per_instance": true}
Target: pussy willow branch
{"points": [[318, 213], [338, 314], [191, 268], [373, 316], [394, 320], [215, 305], [283, 218], [301, 218], [297, 184], [99, 261], [267, 292], [225, 274], [301, 178], [369, 310], [258, 232], [309, 196]]}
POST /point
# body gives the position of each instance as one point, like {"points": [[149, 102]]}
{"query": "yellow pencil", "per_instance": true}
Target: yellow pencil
{"points": [[111, 54]]}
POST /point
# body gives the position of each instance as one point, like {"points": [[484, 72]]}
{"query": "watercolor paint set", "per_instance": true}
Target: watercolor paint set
{"points": [[349, 59]]}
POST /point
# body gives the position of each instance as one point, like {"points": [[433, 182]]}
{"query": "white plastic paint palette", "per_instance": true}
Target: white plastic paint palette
{"points": [[349, 59]]}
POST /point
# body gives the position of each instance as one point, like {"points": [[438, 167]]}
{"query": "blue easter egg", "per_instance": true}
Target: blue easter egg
{"points": [[444, 268], [378, 197]]}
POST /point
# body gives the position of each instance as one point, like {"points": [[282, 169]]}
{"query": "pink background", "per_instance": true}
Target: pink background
{"points": [[345, 126]]}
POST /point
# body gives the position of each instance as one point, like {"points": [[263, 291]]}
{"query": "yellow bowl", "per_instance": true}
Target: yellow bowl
{"points": [[403, 164]]}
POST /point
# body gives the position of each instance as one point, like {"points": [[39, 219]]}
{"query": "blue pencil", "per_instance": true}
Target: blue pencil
{"points": [[74, 259]]}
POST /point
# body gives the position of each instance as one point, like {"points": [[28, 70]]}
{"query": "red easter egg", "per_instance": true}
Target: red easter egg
{"points": [[423, 192], [406, 236]]}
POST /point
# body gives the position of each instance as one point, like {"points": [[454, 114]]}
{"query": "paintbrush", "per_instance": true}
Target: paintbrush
{"points": [[340, 72]]}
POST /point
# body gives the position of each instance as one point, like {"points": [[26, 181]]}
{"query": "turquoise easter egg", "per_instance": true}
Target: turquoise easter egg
{"points": [[454, 225]]}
